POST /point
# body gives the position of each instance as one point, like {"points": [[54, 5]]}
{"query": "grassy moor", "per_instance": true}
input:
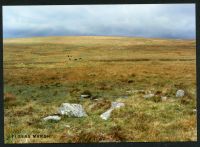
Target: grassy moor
{"points": [[41, 73]]}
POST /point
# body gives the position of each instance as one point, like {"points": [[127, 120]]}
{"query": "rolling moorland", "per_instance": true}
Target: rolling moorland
{"points": [[41, 73]]}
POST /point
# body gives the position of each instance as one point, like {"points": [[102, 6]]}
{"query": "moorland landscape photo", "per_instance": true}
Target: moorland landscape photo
{"points": [[99, 73]]}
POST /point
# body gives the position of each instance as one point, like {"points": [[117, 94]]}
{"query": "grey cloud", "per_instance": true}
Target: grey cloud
{"points": [[162, 21]]}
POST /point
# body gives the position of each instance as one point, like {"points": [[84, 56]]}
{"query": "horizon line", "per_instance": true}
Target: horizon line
{"points": [[167, 38]]}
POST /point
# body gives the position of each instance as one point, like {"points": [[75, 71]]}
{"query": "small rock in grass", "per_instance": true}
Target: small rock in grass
{"points": [[85, 96], [114, 105], [141, 91], [54, 117], [148, 92], [72, 110], [194, 110], [106, 114], [163, 98], [180, 93], [117, 104], [67, 126], [148, 96]]}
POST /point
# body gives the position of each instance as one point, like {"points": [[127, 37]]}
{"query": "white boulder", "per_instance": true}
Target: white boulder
{"points": [[180, 93], [72, 110]]}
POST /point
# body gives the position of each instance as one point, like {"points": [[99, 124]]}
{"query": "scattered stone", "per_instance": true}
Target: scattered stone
{"points": [[163, 98], [117, 105], [148, 96], [194, 110], [106, 114], [72, 110], [148, 92], [114, 105], [141, 91], [54, 117], [180, 93], [86, 94], [67, 126]]}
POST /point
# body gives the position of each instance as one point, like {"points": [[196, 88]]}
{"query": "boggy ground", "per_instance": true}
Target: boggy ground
{"points": [[42, 73]]}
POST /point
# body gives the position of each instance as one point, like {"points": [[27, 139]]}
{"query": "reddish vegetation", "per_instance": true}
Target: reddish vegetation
{"points": [[8, 97]]}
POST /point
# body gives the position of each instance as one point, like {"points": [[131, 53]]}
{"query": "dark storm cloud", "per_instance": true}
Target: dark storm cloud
{"points": [[163, 21]]}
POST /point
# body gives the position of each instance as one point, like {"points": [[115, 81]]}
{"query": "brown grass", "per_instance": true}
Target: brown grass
{"points": [[42, 73]]}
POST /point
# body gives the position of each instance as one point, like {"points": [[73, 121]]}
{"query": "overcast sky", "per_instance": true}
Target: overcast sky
{"points": [[154, 20]]}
